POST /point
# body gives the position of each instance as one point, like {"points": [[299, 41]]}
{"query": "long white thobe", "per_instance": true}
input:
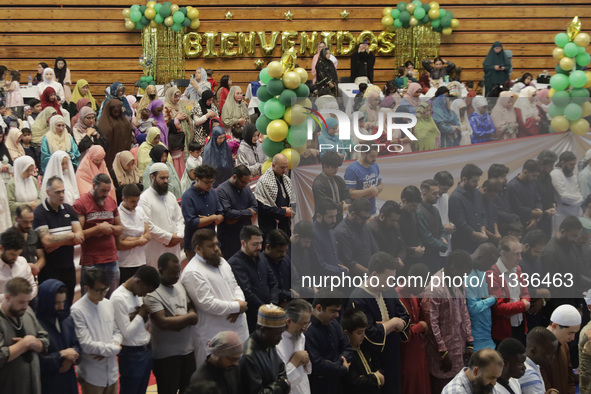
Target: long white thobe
{"points": [[297, 377], [567, 195]]}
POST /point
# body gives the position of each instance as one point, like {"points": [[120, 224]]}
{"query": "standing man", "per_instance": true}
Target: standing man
{"points": [[171, 320], [524, 196], [385, 229], [431, 230], [239, 207], [546, 159], [330, 185], [131, 316], [566, 188], [32, 249], [22, 339], [59, 230], [445, 181], [363, 179], [99, 218], [275, 256], [275, 197], [217, 297], [410, 201], [503, 215], [165, 218], [362, 62], [12, 264], [324, 244], [200, 205]]}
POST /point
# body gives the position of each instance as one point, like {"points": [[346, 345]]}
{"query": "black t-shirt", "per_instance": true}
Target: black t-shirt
{"points": [[32, 243]]}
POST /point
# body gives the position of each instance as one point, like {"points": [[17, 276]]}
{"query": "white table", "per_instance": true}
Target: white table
{"points": [[432, 90], [29, 92]]}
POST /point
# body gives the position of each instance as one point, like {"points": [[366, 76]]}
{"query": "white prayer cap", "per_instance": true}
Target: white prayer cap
{"points": [[158, 167], [566, 315], [588, 297]]}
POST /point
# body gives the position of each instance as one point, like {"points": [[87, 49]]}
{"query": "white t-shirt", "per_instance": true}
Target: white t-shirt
{"points": [[133, 226]]}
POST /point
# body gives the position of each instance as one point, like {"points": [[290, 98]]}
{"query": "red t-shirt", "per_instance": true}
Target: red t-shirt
{"points": [[98, 249]]}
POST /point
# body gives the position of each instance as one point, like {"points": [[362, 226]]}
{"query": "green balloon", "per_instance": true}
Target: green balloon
{"points": [[176, 27], [561, 39], [186, 22], [157, 7], [262, 94], [395, 13], [436, 23], [442, 13], [554, 110], [577, 79], [275, 86], [417, 3], [583, 59], [144, 21], [559, 82], [167, 3], [559, 70], [165, 11], [262, 122], [406, 25], [274, 109], [561, 98], [419, 13], [298, 135], [178, 17], [135, 7], [288, 97], [581, 49], [262, 107], [571, 49], [264, 76], [401, 6], [159, 19], [446, 22], [579, 95], [139, 26], [397, 23], [135, 16], [143, 9], [426, 7], [271, 148], [449, 14], [426, 19], [404, 17], [183, 10], [573, 112], [302, 91]]}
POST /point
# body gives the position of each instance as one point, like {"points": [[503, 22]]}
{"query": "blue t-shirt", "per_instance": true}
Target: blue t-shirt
{"points": [[357, 177]]}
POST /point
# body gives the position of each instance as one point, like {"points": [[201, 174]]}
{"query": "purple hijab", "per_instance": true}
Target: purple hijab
{"points": [[161, 123]]}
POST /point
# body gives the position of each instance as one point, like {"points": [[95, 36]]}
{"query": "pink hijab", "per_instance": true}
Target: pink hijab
{"points": [[88, 170], [413, 88]]}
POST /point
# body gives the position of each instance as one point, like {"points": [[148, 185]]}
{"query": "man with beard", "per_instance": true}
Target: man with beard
{"points": [[292, 349], [275, 256], [490, 189], [165, 218], [524, 196], [363, 178], [534, 243], [212, 287], [503, 214], [566, 188], [466, 211], [22, 340], [386, 231], [33, 248], [546, 159], [431, 229], [261, 369], [410, 200], [540, 349], [324, 243], [12, 264], [513, 353], [480, 377], [302, 258], [99, 217], [253, 275], [220, 368], [330, 185]]}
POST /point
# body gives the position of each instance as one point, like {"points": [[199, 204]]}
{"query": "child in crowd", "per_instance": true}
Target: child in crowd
{"points": [[14, 98], [195, 150], [143, 124], [35, 109], [358, 100], [30, 150], [364, 376], [211, 79]]}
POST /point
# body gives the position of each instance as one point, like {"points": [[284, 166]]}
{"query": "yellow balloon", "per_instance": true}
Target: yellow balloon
{"points": [[387, 20], [292, 156], [305, 103], [582, 39], [410, 8], [586, 109], [558, 53], [174, 8], [195, 24], [447, 31], [129, 25], [560, 124], [193, 13], [168, 21], [277, 130], [588, 85], [579, 127], [153, 24], [300, 149], [126, 12], [551, 92], [302, 73], [150, 13], [567, 63], [266, 165], [150, 4], [433, 13], [455, 23], [387, 11], [275, 69], [413, 21], [434, 5], [291, 80], [295, 115]]}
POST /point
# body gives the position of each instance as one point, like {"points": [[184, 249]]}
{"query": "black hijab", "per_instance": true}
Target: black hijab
{"points": [[60, 75], [325, 68], [441, 91], [248, 132], [157, 152]]}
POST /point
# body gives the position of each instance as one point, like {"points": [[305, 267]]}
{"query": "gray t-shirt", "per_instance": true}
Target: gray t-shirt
{"points": [[165, 343]]}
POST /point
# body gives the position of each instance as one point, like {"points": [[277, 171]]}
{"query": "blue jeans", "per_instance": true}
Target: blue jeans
{"points": [[135, 365], [112, 271]]}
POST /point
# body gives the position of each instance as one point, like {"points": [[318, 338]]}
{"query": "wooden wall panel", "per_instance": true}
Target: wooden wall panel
{"points": [[98, 48]]}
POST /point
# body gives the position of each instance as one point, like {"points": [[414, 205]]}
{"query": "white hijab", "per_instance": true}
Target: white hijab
{"points": [[5, 216], [456, 106], [54, 168], [528, 109], [24, 189]]}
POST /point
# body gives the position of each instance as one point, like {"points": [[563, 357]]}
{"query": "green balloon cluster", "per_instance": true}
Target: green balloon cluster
{"points": [[406, 15], [146, 81], [570, 94], [167, 14]]}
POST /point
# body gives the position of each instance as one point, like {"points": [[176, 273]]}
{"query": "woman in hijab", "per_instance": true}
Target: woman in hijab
{"points": [[117, 92], [495, 66], [49, 99], [13, 143], [461, 110], [143, 154], [504, 117], [543, 99], [6, 162], [326, 75], [235, 113], [41, 125], [173, 110], [156, 109], [198, 85], [176, 145], [223, 91], [116, 128], [92, 165], [149, 96], [159, 154], [528, 114], [426, 130], [86, 133], [49, 81], [447, 122], [248, 152], [217, 153], [125, 172], [81, 91], [23, 188], [201, 114], [482, 125], [83, 102], [410, 100], [62, 74], [60, 165], [189, 175], [371, 107], [330, 137], [39, 76], [58, 138]]}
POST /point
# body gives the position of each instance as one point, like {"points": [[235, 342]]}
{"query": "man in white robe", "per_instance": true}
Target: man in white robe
{"points": [[566, 189]]}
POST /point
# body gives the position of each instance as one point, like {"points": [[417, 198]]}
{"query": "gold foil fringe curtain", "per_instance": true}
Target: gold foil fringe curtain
{"points": [[416, 44], [165, 47]]}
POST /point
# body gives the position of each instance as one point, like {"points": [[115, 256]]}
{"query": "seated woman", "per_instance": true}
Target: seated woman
{"points": [[13, 143], [189, 175], [235, 113], [38, 78], [86, 133], [159, 154], [81, 91], [202, 112], [83, 102], [49, 99], [410, 100], [143, 154], [447, 122], [461, 110], [504, 117], [176, 145], [371, 107], [117, 92], [217, 154], [57, 138], [426, 130], [326, 75], [150, 94], [221, 95], [482, 125], [198, 85], [118, 130], [23, 188], [49, 81], [60, 165], [410, 70], [6, 162], [249, 152], [92, 165], [328, 140], [544, 101], [125, 172], [528, 114], [438, 68], [404, 77], [527, 80]]}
